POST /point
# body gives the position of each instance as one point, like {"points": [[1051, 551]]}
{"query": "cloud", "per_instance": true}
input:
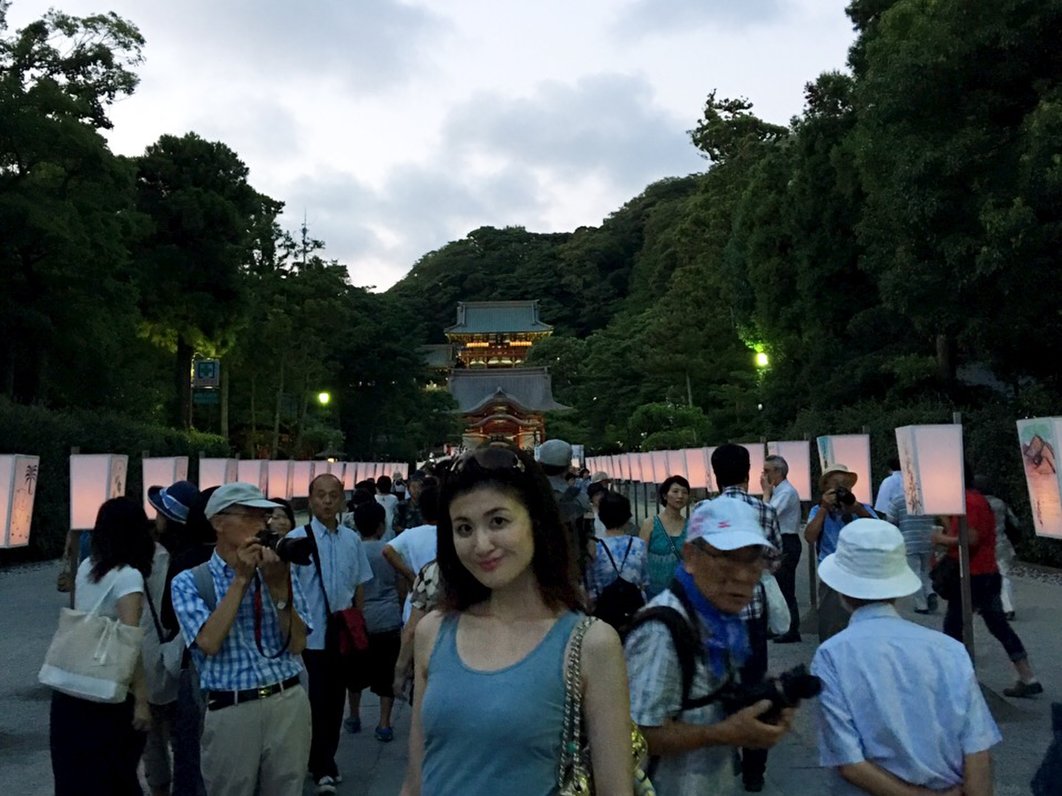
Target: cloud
{"points": [[605, 125], [563, 156], [675, 16]]}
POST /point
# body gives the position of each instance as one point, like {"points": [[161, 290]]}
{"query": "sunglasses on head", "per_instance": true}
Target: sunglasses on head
{"points": [[488, 458]]}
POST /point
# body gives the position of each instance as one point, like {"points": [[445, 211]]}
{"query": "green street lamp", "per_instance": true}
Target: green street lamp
{"points": [[324, 398], [762, 360]]}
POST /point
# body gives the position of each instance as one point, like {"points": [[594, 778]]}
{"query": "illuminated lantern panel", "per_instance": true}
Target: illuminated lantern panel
{"points": [[661, 467], [94, 479], [755, 450], [349, 473], [162, 471], [1038, 437], [254, 471], [281, 481], [215, 472], [853, 451], [696, 467], [18, 486], [797, 455], [931, 460], [303, 474]]}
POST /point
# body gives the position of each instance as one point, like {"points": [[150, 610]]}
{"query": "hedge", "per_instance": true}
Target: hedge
{"points": [[50, 434]]}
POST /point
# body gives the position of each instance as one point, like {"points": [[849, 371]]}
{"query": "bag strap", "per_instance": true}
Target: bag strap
{"points": [[154, 613], [669, 537], [609, 554], [204, 584], [316, 556], [630, 543], [571, 733]]}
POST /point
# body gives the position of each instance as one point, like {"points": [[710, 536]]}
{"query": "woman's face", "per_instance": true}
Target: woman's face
{"points": [[677, 496], [492, 535], [279, 522]]}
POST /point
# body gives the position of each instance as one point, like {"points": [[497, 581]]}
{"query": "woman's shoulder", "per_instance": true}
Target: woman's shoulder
{"points": [[601, 639]]}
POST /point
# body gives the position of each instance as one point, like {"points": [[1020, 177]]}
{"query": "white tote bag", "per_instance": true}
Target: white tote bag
{"points": [[777, 610], [92, 656]]}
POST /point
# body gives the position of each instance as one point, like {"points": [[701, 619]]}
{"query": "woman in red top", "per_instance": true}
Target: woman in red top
{"points": [[985, 586]]}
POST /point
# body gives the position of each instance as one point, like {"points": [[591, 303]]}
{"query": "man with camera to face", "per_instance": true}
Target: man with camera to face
{"points": [[332, 583], [835, 510], [245, 621]]}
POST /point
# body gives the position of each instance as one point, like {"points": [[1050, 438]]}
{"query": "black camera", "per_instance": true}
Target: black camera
{"points": [[845, 498], [293, 551], [786, 690]]}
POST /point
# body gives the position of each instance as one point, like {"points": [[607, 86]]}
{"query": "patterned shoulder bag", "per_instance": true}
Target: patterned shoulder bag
{"points": [[575, 775]]}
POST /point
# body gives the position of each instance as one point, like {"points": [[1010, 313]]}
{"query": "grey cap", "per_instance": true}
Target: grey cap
{"points": [[556, 453], [237, 494]]}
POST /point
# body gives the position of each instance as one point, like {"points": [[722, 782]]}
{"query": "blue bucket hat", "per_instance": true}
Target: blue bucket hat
{"points": [[173, 501]]}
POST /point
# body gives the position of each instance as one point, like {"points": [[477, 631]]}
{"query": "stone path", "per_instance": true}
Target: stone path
{"points": [[31, 603]]}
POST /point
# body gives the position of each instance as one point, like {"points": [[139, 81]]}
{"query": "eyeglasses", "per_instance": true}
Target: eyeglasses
{"points": [[260, 515], [488, 458], [736, 558]]}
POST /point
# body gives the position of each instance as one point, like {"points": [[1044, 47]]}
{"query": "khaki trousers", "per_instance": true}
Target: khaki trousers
{"points": [[258, 747]]}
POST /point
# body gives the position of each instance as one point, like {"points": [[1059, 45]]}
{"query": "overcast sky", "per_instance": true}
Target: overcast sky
{"points": [[399, 126]]}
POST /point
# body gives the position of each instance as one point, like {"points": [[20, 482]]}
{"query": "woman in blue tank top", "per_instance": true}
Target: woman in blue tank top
{"points": [[489, 683], [665, 533]]}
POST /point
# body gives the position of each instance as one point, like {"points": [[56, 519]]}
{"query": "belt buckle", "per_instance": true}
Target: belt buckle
{"points": [[264, 692]]}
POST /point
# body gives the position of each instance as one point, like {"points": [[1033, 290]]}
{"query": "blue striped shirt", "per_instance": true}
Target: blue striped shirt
{"points": [[238, 665]]}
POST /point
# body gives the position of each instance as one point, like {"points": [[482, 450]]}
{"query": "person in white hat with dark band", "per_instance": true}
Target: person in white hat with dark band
{"points": [[900, 709]]}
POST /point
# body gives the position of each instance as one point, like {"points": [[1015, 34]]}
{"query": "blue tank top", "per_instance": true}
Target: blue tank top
{"points": [[662, 557], [494, 732]]}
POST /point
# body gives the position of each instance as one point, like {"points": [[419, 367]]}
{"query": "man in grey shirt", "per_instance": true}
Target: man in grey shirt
{"points": [[782, 495]]}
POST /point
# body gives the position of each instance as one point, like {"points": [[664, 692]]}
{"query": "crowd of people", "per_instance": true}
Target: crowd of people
{"points": [[497, 590]]}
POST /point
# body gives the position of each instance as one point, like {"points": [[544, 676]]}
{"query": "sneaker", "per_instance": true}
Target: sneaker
{"points": [[787, 638], [326, 785], [384, 734], [1022, 689], [922, 611], [352, 724]]}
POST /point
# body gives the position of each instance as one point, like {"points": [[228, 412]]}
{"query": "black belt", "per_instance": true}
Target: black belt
{"points": [[216, 700]]}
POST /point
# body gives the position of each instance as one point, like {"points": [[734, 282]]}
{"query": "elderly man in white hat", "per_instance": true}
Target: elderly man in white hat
{"points": [[900, 710], [671, 689]]}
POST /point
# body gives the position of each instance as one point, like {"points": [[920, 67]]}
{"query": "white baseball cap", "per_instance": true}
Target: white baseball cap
{"points": [[870, 562], [727, 524]]}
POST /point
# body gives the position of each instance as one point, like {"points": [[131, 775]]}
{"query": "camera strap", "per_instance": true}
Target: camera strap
{"points": [[258, 618]]}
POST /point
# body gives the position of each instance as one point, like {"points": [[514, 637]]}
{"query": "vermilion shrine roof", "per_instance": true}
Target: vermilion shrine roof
{"points": [[487, 317]]}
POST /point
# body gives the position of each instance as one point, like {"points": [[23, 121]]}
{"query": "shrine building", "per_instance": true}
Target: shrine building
{"points": [[499, 398], [495, 334]]}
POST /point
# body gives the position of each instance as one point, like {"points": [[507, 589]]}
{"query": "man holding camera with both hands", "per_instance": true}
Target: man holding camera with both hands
{"points": [[685, 650], [837, 507], [245, 620]]}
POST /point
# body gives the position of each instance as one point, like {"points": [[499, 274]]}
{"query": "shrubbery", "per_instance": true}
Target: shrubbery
{"points": [[37, 431]]}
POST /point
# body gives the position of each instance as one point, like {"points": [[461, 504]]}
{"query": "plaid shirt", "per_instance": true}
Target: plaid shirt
{"points": [[237, 665], [772, 532]]}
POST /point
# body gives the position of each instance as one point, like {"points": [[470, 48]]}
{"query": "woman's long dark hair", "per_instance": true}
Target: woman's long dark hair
{"points": [[121, 537], [517, 473]]}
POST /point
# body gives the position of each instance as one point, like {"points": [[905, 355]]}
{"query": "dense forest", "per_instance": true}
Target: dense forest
{"points": [[892, 251]]}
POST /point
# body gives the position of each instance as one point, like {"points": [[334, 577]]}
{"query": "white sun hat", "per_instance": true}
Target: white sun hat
{"points": [[870, 562]]}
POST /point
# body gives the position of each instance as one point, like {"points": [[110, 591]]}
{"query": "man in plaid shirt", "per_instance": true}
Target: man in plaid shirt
{"points": [[731, 465]]}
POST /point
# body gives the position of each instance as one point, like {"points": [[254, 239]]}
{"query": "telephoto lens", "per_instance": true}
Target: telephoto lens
{"points": [[293, 551]]}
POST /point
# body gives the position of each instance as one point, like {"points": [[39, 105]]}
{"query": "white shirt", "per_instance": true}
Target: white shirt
{"points": [[103, 597], [417, 546], [889, 489], [786, 503], [390, 503]]}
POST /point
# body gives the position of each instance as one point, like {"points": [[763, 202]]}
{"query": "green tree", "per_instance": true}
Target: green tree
{"points": [[191, 265], [67, 311]]}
